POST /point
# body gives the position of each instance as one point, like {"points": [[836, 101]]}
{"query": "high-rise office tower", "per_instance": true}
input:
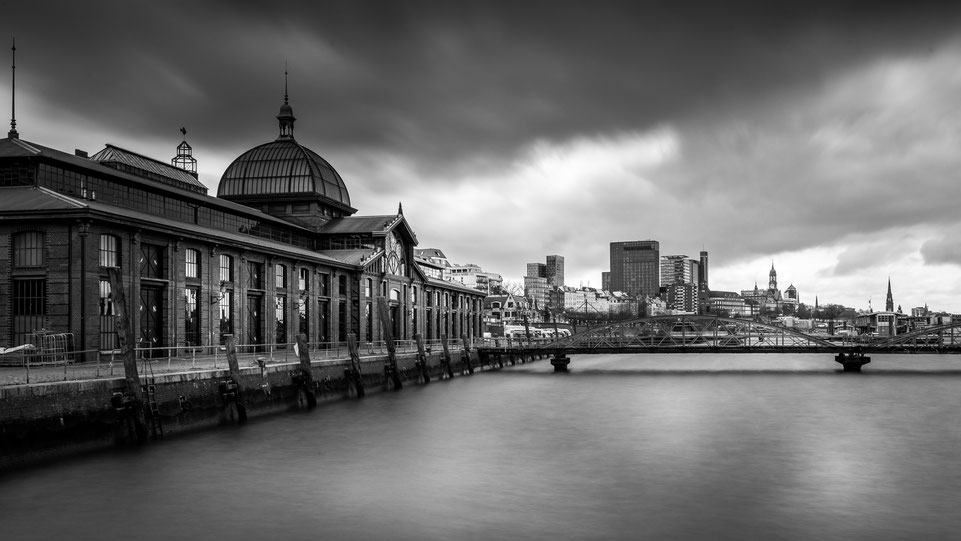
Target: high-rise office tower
{"points": [[703, 291], [678, 269], [555, 270], [635, 267]]}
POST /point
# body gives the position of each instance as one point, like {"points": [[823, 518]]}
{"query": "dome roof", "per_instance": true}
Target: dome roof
{"points": [[283, 169]]}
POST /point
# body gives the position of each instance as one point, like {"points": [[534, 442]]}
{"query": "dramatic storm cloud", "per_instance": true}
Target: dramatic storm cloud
{"points": [[823, 137]]}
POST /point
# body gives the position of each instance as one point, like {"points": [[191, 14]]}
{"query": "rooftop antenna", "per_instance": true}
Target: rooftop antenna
{"points": [[12, 134]]}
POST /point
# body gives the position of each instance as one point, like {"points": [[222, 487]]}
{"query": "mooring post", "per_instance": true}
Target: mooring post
{"points": [[352, 373], [391, 374], [230, 389], [421, 362], [465, 354], [445, 360], [304, 379], [129, 402]]}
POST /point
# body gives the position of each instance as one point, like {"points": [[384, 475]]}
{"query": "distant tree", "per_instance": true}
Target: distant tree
{"points": [[511, 287], [803, 311]]}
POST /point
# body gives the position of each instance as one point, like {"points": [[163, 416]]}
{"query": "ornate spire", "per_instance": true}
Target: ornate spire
{"points": [[286, 116], [12, 134], [400, 209]]}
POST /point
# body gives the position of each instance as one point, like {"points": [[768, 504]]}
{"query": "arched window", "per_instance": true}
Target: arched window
{"points": [[394, 294], [109, 251]]}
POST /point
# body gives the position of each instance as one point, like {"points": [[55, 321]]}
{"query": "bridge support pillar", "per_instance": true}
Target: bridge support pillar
{"points": [[852, 362], [560, 362]]}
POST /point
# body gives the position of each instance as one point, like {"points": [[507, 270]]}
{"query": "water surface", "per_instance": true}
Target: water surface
{"points": [[623, 447]]}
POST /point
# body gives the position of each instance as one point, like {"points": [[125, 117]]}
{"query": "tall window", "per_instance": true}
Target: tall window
{"points": [[226, 313], [109, 251], [255, 275], [280, 317], [280, 279], [226, 268], [108, 318], [324, 282], [28, 249], [369, 327], [192, 266], [368, 287], [191, 316], [29, 307], [303, 285], [29, 297]]}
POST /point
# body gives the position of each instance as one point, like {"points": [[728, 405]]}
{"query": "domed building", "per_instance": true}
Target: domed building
{"points": [[286, 179], [279, 252]]}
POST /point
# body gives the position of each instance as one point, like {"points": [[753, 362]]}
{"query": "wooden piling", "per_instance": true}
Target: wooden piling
{"points": [[445, 361], [305, 380], [130, 405], [422, 359], [352, 374], [391, 375], [465, 354]]}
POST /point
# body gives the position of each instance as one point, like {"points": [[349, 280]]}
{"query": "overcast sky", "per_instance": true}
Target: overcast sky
{"points": [[825, 138]]}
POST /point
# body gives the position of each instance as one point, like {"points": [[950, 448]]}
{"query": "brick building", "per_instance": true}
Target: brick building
{"points": [[277, 253]]}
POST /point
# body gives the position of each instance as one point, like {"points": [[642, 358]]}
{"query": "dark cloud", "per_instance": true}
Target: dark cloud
{"points": [[440, 80]]}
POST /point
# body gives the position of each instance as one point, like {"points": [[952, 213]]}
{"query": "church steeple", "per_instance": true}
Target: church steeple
{"points": [[286, 115], [889, 303], [772, 282]]}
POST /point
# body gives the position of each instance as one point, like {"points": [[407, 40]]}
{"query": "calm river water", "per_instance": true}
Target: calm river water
{"points": [[623, 447]]}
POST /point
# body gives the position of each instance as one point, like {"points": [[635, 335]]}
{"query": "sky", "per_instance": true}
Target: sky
{"points": [[821, 137]]}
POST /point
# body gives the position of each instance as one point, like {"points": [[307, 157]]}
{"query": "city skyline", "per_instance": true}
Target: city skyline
{"points": [[824, 137]]}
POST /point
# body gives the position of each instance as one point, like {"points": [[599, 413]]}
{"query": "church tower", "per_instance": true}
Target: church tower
{"points": [[772, 282], [889, 303]]}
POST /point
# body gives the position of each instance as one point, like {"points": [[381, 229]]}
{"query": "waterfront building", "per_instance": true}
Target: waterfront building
{"points": [[882, 324], [635, 267], [729, 304], [277, 253]]}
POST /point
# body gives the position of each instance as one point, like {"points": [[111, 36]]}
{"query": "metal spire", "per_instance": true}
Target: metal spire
{"points": [[12, 134], [285, 81]]}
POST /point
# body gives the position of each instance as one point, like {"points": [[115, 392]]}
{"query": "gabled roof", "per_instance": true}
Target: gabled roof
{"points": [[116, 155], [378, 226], [358, 257]]}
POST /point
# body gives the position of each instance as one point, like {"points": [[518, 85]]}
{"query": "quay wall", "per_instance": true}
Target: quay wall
{"points": [[46, 421]]}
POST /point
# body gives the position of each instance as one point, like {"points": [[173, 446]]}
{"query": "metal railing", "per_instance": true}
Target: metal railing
{"points": [[27, 365]]}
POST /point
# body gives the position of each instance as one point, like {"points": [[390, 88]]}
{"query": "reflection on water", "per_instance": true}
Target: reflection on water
{"points": [[623, 447]]}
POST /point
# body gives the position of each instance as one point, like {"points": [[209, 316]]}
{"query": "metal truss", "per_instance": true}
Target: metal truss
{"points": [[689, 331]]}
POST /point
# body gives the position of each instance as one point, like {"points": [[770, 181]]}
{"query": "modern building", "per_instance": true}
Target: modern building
{"points": [[703, 289], [679, 269], [541, 279], [635, 267], [277, 253]]}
